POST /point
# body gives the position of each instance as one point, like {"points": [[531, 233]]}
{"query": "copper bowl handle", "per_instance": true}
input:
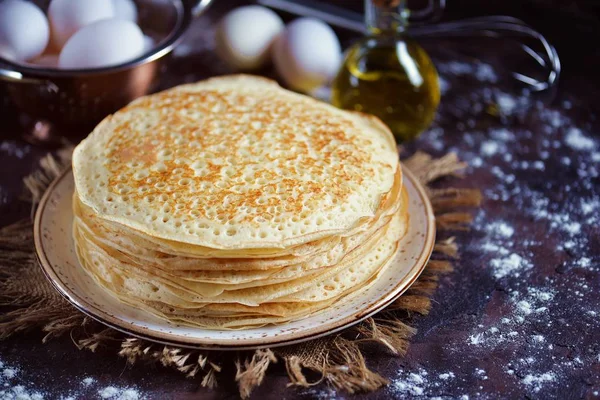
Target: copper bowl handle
{"points": [[18, 77]]}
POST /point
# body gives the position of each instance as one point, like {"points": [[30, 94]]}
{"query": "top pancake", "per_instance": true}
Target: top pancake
{"points": [[235, 162]]}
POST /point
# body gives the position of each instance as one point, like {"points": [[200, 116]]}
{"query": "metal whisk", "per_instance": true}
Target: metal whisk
{"points": [[489, 26]]}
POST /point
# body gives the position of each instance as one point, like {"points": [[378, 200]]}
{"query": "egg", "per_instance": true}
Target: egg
{"points": [[125, 9], [101, 44], [307, 54], [244, 36], [24, 30], [69, 16]]}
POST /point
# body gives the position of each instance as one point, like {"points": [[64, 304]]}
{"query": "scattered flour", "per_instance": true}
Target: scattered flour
{"points": [[564, 208], [589, 206], [539, 165], [584, 262], [413, 383], [529, 306], [506, 103], [578, 141], [489, 148], [535, 382], [421, 383], [477, 162], [500, 228], [524, 307], [447, 375], [108, 392], [117, 393], [476, 339], [321, 394], [14, 386], [480, 373], [88, 381], [9, 373], [456, 68], [511, 265], [481, 71], [19, 392], [130, 394], [485, 73], [14, 149], [111, 392], [501, 134]]}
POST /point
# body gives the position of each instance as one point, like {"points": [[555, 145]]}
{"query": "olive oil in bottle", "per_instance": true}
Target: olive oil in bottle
{"points": [[388, 74]]}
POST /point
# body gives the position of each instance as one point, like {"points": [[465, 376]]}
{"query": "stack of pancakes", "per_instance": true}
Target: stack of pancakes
{"points": [[232, 203]]}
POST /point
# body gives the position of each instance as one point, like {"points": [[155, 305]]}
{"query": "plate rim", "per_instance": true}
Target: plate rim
{"points": [[233, 344]]}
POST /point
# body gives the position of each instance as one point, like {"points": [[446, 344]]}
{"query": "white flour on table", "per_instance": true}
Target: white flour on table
{"points": [[531, 311], [15, 384], [11, 387]]}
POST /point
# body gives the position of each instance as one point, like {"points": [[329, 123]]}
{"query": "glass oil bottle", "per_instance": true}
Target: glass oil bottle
{"points": [[388, 74]]}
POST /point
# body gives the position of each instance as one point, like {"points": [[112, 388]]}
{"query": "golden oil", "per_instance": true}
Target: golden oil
{"points": [[389, 75]]}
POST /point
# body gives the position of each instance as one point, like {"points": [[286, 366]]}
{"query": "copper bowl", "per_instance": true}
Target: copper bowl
{"points": [[55, 99]]}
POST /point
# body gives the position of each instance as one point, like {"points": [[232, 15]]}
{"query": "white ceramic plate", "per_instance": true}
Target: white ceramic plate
{"points": [[56, 253]]}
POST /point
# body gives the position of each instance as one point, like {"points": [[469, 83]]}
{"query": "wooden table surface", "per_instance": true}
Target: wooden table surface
{"points": [[520, 315]]}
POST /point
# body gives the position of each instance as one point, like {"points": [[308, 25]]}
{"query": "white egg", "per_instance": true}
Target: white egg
{"points": [[245, 35], [101, 44], [46, 60], [307, 54], [69, 16], [125, 9], [24, 30]]}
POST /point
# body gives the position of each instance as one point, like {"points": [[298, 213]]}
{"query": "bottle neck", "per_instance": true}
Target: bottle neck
{"points": [[386, 16]]}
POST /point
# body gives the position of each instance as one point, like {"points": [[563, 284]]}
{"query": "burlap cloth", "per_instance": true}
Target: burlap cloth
{"points": [[338, 359]]}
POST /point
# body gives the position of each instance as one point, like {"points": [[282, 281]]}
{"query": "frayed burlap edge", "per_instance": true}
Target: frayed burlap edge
{"points": [[337, 359]]}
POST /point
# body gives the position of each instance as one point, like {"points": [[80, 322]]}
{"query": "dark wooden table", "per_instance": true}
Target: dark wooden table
{"points": [[519, 317]]}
